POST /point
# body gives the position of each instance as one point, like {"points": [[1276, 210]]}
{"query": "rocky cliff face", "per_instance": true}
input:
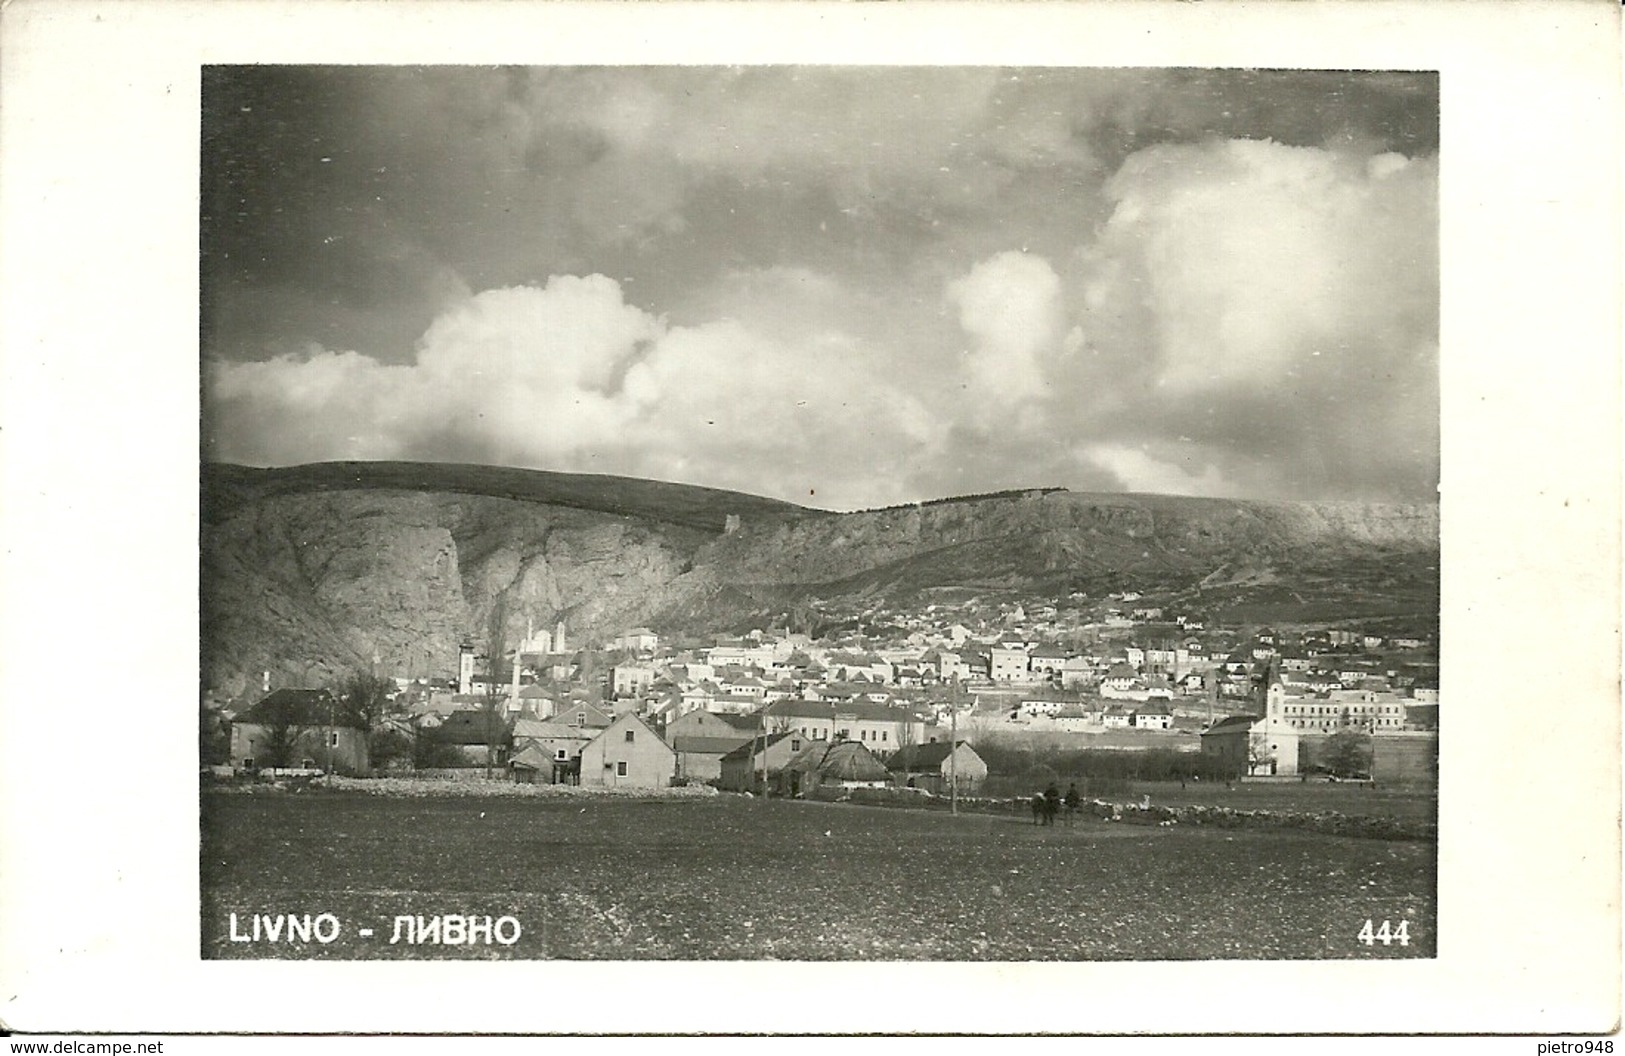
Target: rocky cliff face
{"points": [[1060, 529], [311, 586], [310, 576]]}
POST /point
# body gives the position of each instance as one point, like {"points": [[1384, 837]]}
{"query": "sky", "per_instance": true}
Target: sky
{"points": [[844, 287]]}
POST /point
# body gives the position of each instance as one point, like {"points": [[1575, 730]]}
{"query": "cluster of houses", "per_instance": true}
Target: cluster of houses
{"points": [[801, 709], [591, 745]]}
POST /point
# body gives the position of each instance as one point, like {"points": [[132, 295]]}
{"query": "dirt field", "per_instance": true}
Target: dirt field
{"points": [[735, 878], [1351, 798]]}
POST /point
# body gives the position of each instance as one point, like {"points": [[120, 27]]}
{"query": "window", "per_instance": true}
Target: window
{"points": [[248, 763], [307, 764], [620, 769], [883, 734], [561, 755], [795, 745], [629, 736], [333, 739]]}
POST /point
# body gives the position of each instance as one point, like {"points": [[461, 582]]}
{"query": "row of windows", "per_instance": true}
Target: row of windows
{"points": [[877, 736], [1331, 723]]}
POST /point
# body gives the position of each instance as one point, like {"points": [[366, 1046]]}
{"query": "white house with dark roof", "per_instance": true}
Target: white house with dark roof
{"points": [[884, 726], [628, 753], [1152, 715], [637, 640]]}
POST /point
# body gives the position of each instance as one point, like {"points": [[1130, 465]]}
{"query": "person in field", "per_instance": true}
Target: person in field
{"points": [[1052, 803], [1072, 802]]}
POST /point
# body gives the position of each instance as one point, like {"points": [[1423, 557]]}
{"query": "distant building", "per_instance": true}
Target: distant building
{"points": [[929, 766], [480, 736], [842, 764], [1152, 715], [741, 769], [548, 752], [882, 725], [637, 640], [1251, 745], [298, 729], [630, 680], [1008, 665]]}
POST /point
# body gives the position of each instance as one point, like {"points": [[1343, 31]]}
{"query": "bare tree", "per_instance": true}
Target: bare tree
{"points": [[493, 725], [213, 738], [365, 700], [282, 720], [1259, 753]]}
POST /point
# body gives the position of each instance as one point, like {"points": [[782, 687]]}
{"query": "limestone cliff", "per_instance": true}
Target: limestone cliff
{"points": [[313, 571]]}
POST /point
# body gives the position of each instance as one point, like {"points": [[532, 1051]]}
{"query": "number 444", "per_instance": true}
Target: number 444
{"points": [[1386, 934]]}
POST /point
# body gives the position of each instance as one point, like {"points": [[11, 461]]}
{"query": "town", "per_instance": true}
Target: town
{"points": [[965, 695]]}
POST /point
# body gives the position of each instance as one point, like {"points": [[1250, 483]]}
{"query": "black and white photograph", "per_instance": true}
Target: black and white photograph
{"points": [[828, 518], [819, 513]]}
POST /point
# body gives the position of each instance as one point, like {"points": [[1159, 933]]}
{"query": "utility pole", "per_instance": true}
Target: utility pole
{"points": [[331, 702], [953, 747], [761, 730], [1373, 763]]}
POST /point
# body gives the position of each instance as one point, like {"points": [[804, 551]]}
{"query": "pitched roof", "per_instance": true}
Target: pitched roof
{"points": [[594, 715], [855, 709], [530, 758], [919, 756], [298, 707], [749, 749], [1231, 724], [840, 761], [547, 728], [474, 727]]}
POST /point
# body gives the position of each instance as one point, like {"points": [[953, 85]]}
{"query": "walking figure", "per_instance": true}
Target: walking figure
{"points": [[1072, 800], [1038, 809], [1052, 803]]}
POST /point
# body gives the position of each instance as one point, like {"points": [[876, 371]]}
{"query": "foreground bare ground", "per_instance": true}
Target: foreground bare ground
{"points": [[734, 878]]}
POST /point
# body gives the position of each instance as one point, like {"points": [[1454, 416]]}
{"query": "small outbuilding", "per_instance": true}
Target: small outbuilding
{"points": [[936, 768], [839, 764]]}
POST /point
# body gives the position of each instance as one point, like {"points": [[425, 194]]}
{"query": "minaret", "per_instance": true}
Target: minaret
{"points": [[558, 639], [465, 668]]}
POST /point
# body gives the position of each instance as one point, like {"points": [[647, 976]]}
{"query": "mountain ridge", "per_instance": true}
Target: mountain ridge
{"points": [[311, 570]]}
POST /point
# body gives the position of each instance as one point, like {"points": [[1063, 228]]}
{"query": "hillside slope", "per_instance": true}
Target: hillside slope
{"points": [[313, 570]]}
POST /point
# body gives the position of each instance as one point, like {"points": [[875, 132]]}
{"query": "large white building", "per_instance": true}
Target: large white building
{"points": [[1335, 710], [1008, 665]]}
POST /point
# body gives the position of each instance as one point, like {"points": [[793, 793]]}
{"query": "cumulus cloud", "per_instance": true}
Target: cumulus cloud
{"points": [[570, 376], [1276, 304], [1010, 305], [843, 286]]}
